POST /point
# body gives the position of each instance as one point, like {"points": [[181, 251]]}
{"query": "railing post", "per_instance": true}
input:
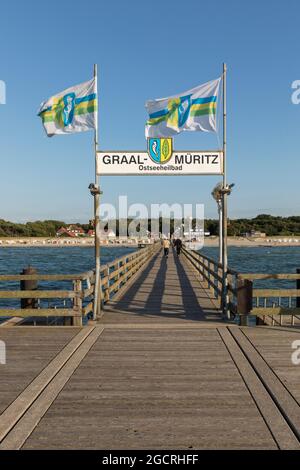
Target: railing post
{"points": [[201, 270], [205, 271], [106, 292], [29, 285], [120, 265], [211, 276], [298, 287], [118, 275], [77, 303], [244, 300]]}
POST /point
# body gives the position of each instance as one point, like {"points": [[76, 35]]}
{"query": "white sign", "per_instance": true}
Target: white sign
{"points": [[180, 163]]}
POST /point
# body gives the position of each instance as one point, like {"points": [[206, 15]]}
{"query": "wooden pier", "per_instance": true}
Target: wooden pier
{"points": [[161, 369]]}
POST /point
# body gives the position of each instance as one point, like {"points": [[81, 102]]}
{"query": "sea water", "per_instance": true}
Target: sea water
{"points": [[78, 259]]}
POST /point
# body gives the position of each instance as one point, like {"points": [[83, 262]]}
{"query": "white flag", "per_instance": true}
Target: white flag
{"points": [[193, 110], [72, 110]]}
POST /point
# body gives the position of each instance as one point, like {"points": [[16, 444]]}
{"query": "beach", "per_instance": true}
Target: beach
{"points": [[63, 242], [89, 241]]}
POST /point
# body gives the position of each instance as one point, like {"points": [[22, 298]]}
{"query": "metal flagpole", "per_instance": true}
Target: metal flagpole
{"points": [[224, 203], [220, 211], [96, 193]]}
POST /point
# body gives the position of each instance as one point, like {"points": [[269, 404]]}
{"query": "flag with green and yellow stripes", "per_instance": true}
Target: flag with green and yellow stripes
{"points": [[193, 110], [72, 110]]}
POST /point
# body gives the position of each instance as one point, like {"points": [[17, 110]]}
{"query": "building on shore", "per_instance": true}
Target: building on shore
{"points": [[70, 231], [254, 234]]}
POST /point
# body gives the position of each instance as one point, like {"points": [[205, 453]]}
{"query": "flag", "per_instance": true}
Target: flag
{"points": [[72, 110], [193, 110]]}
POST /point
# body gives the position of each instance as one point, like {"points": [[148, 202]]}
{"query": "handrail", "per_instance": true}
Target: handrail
{"points": [[264, 276], [195, 253], [209, 269], [45, 277], [113, 276], [243, 298], [264, 302], [119, 271]]}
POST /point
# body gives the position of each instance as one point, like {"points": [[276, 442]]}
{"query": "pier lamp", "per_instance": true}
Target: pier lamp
{"points": [[95, 192], [94, 189], [217, 195]]}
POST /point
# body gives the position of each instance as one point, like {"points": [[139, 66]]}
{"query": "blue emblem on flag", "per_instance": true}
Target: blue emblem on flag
{"points": [[184, 110], [68, 111]]}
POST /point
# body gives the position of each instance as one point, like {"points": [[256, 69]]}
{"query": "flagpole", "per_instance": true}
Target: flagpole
{"points": [[224, 202], [97, 290]]}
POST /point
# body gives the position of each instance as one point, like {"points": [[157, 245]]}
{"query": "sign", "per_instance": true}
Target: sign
{"points": [[160, 160]]}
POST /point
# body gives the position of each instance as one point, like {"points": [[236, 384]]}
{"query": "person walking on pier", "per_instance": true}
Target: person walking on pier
{"points": [[178, 246], [166, 246]]}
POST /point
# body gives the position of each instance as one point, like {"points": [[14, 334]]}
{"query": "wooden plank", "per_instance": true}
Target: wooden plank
{"points": [[104, 280], [276, 292], [11, 322], [46, 277], [207, 273], [283, 399], [278, 426], [275, 346], [207, 269], [130, 266], [175, 326], [136, 254], [201, 257], [131, 279], [37, 294], [123, 278], [16, 410], [295, 329], [87, 292], [275, 311], [29, 349], [39, 312], [88, 308], [77, 303], [195, 399], [18, 435], [250, 276], [163, 290]]}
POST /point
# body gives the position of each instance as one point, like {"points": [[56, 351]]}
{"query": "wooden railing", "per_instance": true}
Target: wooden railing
{"points": [[275, 303], [243, 298], [209, 271], [77, 301], [116, 274]]}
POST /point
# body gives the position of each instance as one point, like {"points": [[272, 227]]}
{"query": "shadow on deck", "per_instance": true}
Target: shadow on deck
{"points": [[166, 289]]}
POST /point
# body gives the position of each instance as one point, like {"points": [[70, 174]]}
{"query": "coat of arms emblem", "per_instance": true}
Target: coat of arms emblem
{"points": [[160, 149]]}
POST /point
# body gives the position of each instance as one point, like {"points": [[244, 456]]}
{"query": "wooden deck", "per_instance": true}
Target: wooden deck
{"points": [[166, 291], [159, 371]]}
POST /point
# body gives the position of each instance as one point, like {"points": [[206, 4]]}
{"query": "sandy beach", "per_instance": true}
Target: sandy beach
{"points": [[89, 241], [60, 242], [243, 241]]}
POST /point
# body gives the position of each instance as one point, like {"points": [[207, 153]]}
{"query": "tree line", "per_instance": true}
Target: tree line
{"points": [[270, 225]]}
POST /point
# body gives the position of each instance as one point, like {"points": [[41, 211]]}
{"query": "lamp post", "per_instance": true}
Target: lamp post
{"points": [[217, 195]]}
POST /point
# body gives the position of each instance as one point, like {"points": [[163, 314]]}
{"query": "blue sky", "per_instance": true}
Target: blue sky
{"points": [[147, 50]]}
